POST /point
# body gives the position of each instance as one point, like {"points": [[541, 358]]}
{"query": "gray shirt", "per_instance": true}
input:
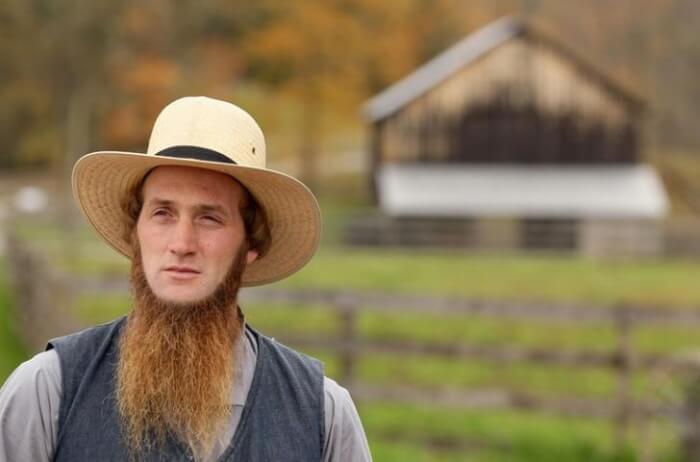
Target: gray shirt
{"points": [[30, 402]]}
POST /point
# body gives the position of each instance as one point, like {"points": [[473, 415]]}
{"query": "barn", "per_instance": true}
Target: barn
{"points": [[510, 140]]}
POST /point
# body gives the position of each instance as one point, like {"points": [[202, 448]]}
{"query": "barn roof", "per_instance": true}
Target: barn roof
{"points": [[467, 51], [631, 191]]}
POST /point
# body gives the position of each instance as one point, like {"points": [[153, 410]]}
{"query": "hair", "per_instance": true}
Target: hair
{"points": [[254, 217]]}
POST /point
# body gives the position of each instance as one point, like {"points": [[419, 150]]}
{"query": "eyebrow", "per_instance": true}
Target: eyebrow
{"points": [[205, 208], [211, 208], [159, 202]]}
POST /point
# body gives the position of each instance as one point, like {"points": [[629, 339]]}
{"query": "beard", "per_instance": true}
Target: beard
{"points": [[176, 368]]}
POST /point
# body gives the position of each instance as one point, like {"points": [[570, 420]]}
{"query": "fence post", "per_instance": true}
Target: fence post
{"points": [[625, 410], [41, 296], [348, 338], [690, 417]]}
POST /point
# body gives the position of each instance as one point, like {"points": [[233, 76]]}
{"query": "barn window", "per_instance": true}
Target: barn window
{"points": [[549, 233]]}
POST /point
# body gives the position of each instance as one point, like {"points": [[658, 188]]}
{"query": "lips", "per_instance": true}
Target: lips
{"points": [[181, 272], [181, 269]]}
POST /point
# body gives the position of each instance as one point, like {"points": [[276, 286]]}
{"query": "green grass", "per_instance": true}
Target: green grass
{"points": [[12, 351], [438, 373], [533, 278], [484, 330], [522, 436]]}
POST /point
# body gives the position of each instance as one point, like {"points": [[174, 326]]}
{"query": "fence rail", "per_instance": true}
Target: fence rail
{"points": [[518, 310], [501, 354]]}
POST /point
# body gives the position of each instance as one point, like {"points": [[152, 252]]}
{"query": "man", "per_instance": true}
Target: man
{"points": [[183, 377]]}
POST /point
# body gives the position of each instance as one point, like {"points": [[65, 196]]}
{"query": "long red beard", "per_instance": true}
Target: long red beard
{"points": [[176, 364]]}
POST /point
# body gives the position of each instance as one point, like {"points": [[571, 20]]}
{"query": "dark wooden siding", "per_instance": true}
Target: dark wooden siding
{"points": [[503, 133]]}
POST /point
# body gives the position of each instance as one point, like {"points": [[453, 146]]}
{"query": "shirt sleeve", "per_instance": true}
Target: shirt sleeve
{"points": [[29, 408], [345, 437]]}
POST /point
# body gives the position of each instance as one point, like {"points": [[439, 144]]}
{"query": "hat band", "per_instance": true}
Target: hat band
{"points": [[195, 152]]}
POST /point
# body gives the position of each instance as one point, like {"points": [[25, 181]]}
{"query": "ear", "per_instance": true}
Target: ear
{"points": [[251, 256]]}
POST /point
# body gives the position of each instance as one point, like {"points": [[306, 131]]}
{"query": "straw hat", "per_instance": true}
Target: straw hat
{"points": [[215, 135]]}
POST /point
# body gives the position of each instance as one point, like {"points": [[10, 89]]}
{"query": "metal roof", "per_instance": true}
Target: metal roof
{"points": [[629, 191]]}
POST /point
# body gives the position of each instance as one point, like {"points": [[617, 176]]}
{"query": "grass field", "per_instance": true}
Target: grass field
{"points": [[420, 432], [11, 349], [518, 436]]}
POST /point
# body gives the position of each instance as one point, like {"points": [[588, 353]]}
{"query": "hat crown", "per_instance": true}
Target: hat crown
{"points": [[210, 124]]}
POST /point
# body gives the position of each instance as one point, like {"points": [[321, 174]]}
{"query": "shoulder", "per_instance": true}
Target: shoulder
{"points": [[42, 370], [335, 394], [338, 404], [345, 437], [29, 403], [34, 387]]}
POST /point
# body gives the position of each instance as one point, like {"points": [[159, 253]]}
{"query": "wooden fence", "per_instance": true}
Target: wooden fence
{"points": [[623, 361], [40, 289]]}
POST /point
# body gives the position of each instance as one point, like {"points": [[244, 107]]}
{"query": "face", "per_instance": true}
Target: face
{"points": [[190, 229]]}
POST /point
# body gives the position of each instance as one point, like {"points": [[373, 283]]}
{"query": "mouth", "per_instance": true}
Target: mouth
{"points": [[181, 272]]}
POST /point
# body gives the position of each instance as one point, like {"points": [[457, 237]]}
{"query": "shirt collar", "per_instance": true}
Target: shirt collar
{"points": [[245, 357]]}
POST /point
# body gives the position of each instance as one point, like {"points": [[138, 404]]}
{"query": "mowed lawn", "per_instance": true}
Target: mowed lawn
{"points": [[515, 277]]}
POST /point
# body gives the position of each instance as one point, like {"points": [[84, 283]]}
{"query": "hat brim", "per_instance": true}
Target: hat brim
{"points": [[101, 179]]}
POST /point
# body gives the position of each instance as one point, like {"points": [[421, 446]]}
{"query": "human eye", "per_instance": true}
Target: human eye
{"points": [[212, 219], [161, 213]]}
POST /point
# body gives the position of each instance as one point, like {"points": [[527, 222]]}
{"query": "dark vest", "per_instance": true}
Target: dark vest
{"points": [[282, 420]]}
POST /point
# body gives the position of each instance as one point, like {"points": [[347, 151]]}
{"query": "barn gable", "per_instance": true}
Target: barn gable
{"points": [[506, 94]]}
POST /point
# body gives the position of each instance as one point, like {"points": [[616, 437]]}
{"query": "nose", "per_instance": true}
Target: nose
{"points": [[183, 240]]}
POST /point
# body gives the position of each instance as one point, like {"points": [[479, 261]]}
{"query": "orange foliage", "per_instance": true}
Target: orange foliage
{"points": [[328, 55]]}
